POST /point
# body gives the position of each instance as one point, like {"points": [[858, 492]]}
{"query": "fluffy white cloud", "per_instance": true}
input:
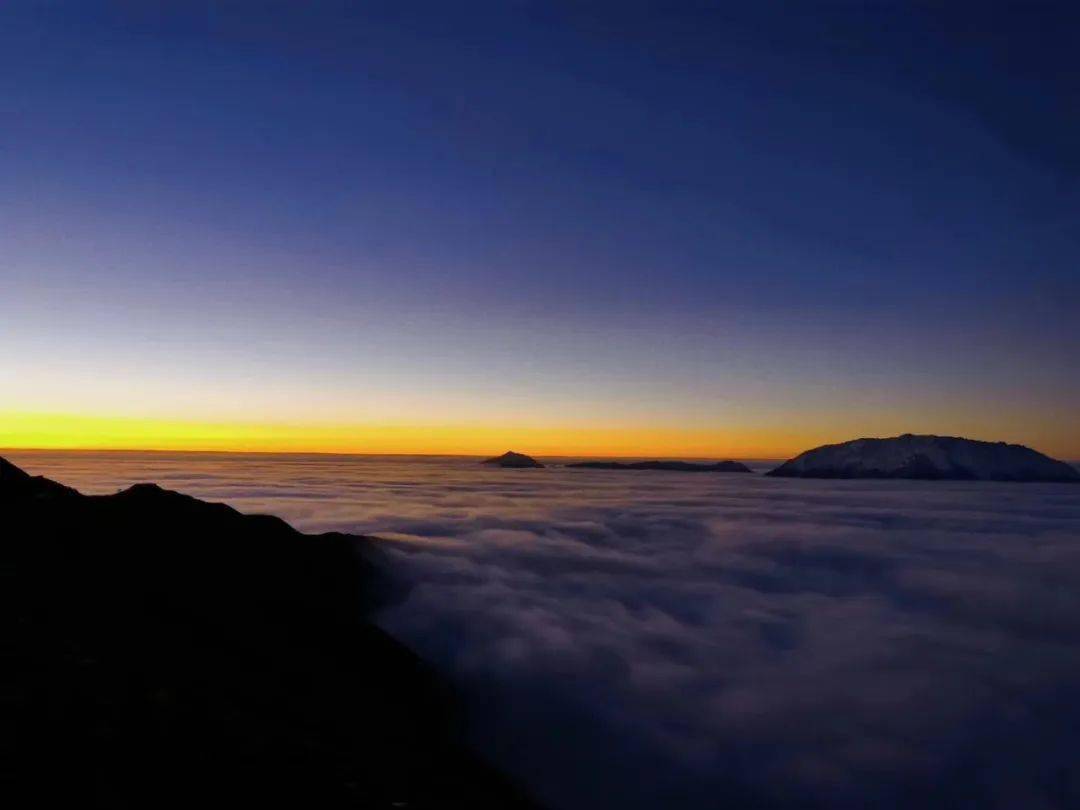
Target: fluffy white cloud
{"points": [[803, 644]]}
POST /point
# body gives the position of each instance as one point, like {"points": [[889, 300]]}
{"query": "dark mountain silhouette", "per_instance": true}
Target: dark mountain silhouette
{"points": [[512, 459], [673, 466], [167, 652], [16, 483], [927, 457]]}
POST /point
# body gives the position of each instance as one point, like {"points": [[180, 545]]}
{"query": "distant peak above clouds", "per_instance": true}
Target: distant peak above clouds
{"points": [[512, 459], [927, 457]]}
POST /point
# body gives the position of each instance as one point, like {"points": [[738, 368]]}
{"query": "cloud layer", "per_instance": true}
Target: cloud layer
{"points": [[655, 639]]}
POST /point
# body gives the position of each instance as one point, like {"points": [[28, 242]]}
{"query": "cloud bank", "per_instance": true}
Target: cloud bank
{"points": [[806, 646], [655, 639]]}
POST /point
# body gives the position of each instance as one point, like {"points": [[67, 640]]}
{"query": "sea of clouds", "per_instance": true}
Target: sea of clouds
{"points": [[651, 639]]}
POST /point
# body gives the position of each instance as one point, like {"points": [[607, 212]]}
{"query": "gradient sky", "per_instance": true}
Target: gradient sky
{"points": [[568, 228]]}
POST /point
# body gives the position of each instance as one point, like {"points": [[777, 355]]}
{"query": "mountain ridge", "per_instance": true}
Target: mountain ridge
{"points": [[512, 460], [927, 457], [165, 649]]}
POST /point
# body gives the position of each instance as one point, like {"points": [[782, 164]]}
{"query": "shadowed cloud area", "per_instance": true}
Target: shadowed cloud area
{"points": [[657, 640]]}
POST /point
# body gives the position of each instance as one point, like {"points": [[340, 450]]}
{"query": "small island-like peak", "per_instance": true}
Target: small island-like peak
{"points": [[927, 458], [513, 460]]}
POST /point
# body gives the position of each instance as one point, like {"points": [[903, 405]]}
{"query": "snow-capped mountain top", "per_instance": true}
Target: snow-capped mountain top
{"points": [[927, 457]]}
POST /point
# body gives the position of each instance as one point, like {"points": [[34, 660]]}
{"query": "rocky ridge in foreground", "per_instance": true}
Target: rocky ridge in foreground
{"points": [[167, 652]]}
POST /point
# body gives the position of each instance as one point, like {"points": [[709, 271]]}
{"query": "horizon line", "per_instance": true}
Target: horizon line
{"points": [[43, 432], [173, 450]]}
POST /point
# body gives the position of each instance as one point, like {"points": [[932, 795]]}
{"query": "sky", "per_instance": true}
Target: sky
{"points": [[610, 228]]}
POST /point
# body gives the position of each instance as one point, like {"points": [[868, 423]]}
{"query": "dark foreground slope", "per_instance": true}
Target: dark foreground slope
{"points": [[668, 466], [167, 652], [929, 458]]}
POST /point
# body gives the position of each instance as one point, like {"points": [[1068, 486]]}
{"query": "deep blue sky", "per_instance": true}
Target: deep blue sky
{"points": [[707, 216]]}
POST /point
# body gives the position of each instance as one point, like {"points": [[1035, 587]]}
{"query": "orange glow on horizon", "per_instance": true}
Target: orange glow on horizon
{"points": [[78, 432], [74, 432]]}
